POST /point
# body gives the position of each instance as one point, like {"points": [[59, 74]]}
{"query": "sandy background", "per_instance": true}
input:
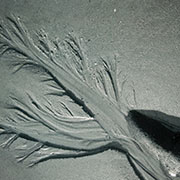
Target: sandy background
{"points": [[145, 34]]}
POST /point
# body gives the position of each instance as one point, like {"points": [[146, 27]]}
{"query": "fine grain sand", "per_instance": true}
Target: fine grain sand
{"points": [[141, 40]]}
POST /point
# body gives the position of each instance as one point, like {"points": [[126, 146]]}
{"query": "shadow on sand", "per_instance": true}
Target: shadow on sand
{"points": [[151, 123]]}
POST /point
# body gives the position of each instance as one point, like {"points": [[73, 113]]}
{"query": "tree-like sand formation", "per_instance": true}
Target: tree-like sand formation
{"points": [[94, 90]]}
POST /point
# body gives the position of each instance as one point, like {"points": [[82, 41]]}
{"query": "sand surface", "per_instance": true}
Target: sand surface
{"points": [[144, 34]]}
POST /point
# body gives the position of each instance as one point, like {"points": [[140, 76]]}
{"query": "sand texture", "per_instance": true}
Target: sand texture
{"points": [[60, 103], [95, 91]]}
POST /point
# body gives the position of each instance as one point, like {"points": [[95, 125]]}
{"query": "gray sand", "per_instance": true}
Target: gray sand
{"points": [[139, 41]]}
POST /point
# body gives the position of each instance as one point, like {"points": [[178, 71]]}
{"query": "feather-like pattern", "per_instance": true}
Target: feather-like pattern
{"points": [[78, 85]]}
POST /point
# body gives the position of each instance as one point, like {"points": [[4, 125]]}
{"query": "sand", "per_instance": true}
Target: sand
{"points": [[48, 82]]}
